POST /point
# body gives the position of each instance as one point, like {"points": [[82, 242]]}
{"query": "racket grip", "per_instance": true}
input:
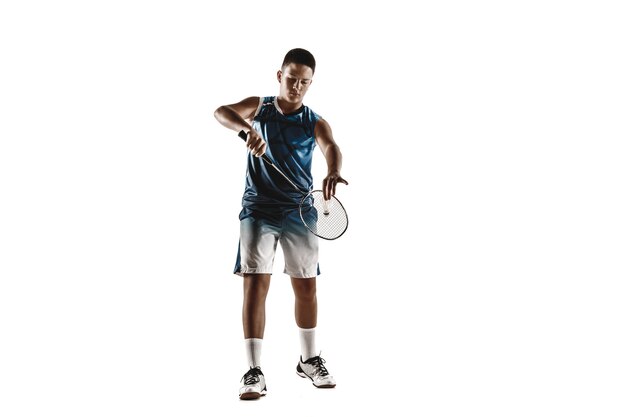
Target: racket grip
{"points": [[243, 135]]}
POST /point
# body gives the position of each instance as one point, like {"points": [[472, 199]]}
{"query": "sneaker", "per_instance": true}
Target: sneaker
{"points": [[253, 385], [315, 370]]}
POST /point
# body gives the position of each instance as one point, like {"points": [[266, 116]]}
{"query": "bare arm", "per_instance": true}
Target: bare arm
{"points": [[237, 117], [332, 153]]}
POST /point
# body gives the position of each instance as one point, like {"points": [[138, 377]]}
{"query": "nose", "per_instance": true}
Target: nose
{"points": [[297, 85]]}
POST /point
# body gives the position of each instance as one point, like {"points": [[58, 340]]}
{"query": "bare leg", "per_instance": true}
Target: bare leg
{"points": [[305, 291], [255, 288]]}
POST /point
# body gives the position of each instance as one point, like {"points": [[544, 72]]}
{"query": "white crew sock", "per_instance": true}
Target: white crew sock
{"points": [[253, 351], [307, 343]]}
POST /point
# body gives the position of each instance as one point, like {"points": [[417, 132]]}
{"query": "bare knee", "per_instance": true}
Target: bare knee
{"points": [[305, 289], [256, 285]]}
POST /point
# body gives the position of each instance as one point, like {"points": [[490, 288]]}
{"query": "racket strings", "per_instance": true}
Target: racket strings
{"points": [[325, 218]]}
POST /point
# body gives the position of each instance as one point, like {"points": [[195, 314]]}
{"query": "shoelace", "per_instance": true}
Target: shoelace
{"points": [[252, 376], [318, 363]]}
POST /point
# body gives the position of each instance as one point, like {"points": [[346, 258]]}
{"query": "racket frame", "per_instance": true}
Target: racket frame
{"points": [[244, 136]]}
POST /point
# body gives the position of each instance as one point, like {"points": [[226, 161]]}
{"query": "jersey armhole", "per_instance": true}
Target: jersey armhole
{"points": [[316, 118], [258, 108]]}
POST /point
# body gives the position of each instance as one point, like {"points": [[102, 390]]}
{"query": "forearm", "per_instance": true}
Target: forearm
{"points": [[231, 119], [333, 157]]}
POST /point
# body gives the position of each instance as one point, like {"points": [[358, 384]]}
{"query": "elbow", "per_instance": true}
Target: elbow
{"points": [[218, 112], [334, 148]]}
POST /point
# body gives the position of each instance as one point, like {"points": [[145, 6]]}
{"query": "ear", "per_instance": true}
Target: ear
{"points": [[279, 75]]}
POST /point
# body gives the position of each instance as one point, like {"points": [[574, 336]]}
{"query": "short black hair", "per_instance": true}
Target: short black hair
{"points": [[299, 56]]}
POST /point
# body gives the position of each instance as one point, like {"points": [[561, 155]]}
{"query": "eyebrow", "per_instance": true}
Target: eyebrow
{"points": [[303, 79]]}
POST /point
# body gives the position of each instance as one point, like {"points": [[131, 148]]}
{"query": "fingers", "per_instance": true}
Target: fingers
{"points": [[256, 144], [327, 189], [329, 185]]}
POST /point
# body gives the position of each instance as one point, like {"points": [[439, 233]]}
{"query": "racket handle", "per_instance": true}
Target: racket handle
{"points": [[243, 135]]}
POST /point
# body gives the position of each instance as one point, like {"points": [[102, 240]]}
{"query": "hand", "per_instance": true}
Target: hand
{"points": [[255, 143], [330, 184]]}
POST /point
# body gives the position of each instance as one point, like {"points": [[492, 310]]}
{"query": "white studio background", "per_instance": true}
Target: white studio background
{"points": [[482, 273]]}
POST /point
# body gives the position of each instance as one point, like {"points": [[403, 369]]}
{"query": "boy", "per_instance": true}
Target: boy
{"points": [[288, 132]]}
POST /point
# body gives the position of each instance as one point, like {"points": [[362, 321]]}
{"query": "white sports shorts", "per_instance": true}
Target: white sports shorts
{"points": [[260, 233]]}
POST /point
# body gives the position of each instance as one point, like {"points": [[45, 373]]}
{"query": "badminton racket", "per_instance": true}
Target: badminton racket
{"points": [[324, 218]]}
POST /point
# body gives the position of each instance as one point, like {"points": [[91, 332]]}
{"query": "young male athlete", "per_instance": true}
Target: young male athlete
{"points": [[287, 131]]}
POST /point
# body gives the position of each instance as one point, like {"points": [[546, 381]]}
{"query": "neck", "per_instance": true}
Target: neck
{"points": [[288, 107]]}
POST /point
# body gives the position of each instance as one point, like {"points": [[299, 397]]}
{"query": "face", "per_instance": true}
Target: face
{"points": [[294, 80]]}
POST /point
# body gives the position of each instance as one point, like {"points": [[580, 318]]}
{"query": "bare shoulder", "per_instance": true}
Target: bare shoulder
{"points": [[323, 133], [246, 107]]}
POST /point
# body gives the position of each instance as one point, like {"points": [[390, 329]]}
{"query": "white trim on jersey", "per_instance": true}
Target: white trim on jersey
{"points": [[277, 106], [258, 109]]}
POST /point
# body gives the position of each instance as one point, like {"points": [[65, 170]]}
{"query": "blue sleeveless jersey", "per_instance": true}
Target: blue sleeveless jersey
{"points": [[290, 143]]}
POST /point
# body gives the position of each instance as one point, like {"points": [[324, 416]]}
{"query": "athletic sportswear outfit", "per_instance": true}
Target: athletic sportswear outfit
{"points": [[270, 204]]}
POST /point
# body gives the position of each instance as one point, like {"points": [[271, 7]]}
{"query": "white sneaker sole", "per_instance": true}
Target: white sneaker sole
{"points": [[252, 395], [303, 375]]}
